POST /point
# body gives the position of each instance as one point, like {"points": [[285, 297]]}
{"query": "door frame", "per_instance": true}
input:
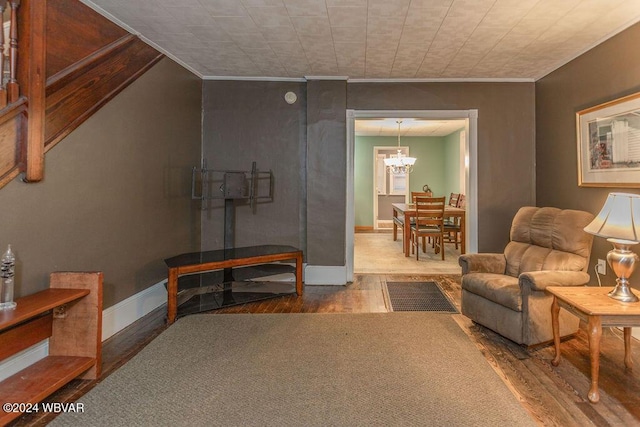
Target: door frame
{"points": [[376, 151], [471, 169]]}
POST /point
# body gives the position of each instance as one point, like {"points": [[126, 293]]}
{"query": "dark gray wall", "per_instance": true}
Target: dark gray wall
{"points": [[606, 72], [506, 143], [326, 172], [250, 121], [306, 143], [116, 193]]}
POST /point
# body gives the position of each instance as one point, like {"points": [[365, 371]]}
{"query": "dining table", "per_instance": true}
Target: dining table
{"points": [[406, 211]]}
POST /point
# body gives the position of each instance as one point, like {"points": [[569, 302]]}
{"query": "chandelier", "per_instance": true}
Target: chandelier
{"points": [[400, 164]]}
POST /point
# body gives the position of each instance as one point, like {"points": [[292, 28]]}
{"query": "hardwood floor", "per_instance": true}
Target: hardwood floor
{"points": [[554, 396]]}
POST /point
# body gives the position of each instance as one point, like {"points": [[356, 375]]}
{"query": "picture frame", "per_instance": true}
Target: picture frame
{"points": [[608, 137]]}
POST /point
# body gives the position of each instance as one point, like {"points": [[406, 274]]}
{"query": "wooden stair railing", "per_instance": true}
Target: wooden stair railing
{"points": [[13, 89], [51, 83], [3, 88]]}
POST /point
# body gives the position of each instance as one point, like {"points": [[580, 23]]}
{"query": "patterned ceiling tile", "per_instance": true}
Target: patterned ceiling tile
{"points": [[375, 38], [423, 35], [383, 24], [261, 3], [388, 8], [306, 7], [237, 24], [348, 16], [313, 26], [246, 41], [279, 34], [408, 59], [431, 4], [417, 17], [186, 14], [224, 7], [349, 53], [208, 33], [274, 16], [348, 35], [338, 3], [287, 49], [552, 9]]}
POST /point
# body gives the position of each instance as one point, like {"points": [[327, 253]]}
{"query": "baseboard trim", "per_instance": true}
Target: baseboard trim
{"points": [[126, 312], [25, 358], [114, 319], [119, 316], [325, 275]]}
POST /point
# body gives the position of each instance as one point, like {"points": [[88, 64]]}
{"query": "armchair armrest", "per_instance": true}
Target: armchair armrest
{"points": [[539, 280], [483, 263]]}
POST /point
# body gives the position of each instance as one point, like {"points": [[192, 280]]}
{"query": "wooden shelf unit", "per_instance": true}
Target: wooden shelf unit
{"points": [[69, 313]]}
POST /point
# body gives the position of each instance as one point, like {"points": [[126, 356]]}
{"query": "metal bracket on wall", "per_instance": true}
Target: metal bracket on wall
{"points": [[210, 184]]}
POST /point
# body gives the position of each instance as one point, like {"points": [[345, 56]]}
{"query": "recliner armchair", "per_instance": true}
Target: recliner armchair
{"points": [[506, 292]]}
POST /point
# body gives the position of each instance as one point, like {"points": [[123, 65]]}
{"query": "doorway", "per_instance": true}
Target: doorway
{"points": [[470, 168], [387, 188]]}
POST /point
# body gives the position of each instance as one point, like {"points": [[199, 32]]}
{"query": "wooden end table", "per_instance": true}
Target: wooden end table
{"points": [[592, 305]]}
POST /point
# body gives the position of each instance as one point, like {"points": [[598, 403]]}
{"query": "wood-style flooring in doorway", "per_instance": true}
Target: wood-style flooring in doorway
{"points": [[553, 396]]}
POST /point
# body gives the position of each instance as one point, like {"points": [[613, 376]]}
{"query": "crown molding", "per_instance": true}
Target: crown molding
{"points": [[446, 80], [259, 79]]}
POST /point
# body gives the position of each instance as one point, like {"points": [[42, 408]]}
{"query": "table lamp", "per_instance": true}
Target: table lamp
{"points": [[619, 223]]}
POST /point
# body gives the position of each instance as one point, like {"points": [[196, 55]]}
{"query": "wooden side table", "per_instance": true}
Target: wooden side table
{"points": [[592, 305]]}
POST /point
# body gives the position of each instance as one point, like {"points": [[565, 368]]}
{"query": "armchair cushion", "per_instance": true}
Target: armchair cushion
{"points": [[499, 288]]}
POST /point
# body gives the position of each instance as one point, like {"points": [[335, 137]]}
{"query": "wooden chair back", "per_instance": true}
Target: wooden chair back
{"points": [[453, 199], [462, 203], [429, 223], [415, 194], [429, 211]]}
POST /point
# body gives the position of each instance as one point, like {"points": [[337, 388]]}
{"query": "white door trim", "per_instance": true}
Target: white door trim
{"points": [[471, 172]]}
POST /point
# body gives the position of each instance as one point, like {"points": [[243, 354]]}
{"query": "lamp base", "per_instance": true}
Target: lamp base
{"points": [[622, 261], [623, 293]]}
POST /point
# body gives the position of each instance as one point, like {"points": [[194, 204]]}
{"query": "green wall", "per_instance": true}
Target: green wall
{"points": [[433, 166], [452, 163]]}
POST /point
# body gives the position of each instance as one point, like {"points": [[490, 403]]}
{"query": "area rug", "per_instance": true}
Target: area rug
{"points": [[418, 296], [373, 369]]}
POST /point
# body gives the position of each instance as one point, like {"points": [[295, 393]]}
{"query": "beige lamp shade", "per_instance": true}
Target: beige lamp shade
{"points": [[618, 219]]}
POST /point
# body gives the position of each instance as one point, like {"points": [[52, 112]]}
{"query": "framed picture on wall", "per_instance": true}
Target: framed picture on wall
{"points": [[609, 144]]}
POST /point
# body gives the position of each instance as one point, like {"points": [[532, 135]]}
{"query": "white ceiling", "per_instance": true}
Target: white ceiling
{"points": [[373, 39], [408, 127]]}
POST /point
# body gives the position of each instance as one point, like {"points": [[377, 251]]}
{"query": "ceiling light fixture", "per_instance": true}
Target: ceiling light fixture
{"points": [[399, 164]]}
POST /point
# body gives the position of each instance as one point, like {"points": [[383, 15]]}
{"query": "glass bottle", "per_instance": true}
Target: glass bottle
{"points": [[7, 272]]}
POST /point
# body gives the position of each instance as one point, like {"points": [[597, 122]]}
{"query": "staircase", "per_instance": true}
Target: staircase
{"points": [[62, 62]]}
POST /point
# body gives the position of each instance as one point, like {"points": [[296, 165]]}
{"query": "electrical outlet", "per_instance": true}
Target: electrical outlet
{"points": [[602, 267]]}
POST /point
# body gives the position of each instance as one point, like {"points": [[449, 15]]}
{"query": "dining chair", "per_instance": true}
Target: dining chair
{"points": [[462, 203], [415, 194], [452, 226], [429, 223], [398, 222], [453, 199]]}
